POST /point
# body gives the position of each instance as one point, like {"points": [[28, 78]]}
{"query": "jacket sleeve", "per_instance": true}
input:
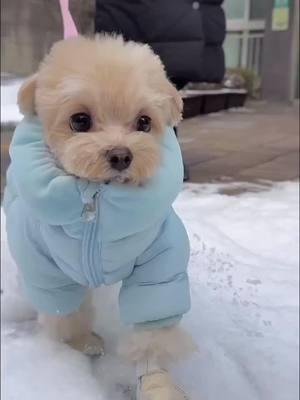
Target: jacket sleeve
{"points": [[157, 292], [53, 195]]}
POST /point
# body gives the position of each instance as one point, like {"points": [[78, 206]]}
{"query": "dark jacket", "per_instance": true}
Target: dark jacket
{"points": [[186, 34]]}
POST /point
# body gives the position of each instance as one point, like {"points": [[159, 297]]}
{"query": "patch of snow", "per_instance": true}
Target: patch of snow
{"points": [[241, 110], [244, 283], [183, 140], [217, 114], [197, 92], [9, 108]]}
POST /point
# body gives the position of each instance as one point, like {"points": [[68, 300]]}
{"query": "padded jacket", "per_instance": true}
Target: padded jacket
{"points": [[68, 234]]}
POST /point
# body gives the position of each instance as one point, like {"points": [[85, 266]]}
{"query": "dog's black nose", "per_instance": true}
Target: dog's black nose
{"points": [[119, 158]]}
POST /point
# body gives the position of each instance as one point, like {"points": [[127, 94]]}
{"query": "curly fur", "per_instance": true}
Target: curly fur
{"points": [[166, 345], [115, 82]]}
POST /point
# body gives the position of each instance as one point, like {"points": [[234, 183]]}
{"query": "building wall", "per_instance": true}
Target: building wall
{"points": [[297, 95], [281, 50], [30, 27]]}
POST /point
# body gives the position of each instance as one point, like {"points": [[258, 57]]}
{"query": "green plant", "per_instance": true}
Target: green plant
{"points": [[251, 79]]}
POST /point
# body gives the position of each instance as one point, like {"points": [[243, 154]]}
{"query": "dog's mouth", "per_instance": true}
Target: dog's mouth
{"points": [[122, 177], [118, 179]]}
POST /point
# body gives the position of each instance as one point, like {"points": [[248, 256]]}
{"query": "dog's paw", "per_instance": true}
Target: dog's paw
{"points": [[158, 386], [91, 344]]}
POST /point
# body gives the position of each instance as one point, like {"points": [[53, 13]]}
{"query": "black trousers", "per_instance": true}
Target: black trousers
{"points": [[186, 176], [179, 83]]}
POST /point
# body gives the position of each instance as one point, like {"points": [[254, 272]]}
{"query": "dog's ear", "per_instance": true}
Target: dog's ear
{"points": [[174, 106], [26, 96]]}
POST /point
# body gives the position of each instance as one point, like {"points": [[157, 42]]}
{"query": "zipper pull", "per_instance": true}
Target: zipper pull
{"points": [[90, 209]]}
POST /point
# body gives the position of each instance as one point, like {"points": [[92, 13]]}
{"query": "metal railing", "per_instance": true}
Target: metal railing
{"points": [[255, 52], [249, 50]]}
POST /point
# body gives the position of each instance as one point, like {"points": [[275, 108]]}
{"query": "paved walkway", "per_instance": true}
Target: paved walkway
{"points": [[260, 142], [257, 143]]}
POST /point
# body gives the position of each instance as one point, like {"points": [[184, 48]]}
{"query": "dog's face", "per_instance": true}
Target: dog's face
{"points": [[104, 105]]}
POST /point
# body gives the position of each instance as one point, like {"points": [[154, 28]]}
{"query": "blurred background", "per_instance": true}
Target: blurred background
{"points": [[236, 62]]}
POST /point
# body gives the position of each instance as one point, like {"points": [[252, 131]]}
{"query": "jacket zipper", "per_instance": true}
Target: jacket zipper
{"points": [[90, 251], [90, 209]]}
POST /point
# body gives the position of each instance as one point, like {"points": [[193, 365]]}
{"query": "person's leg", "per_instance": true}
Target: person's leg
{"points": [[186, 173], [186, 176]]}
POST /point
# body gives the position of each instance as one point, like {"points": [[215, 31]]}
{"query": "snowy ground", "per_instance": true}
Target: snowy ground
{"points": [[244, 278], [9, 108]]}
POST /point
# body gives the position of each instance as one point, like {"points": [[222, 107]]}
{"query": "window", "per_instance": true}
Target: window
{"points": [[233, 50], [245, 31], [258, 9], [240, 9], [234, 9]]}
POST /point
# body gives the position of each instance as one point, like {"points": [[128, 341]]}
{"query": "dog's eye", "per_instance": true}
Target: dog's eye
{"points": [[143, 124], [80, 122]]}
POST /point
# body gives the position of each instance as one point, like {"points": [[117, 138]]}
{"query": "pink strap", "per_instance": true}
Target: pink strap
{"points": [[69, 25]]}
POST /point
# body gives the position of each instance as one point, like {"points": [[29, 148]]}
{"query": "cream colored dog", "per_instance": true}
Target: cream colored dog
{"points": [[123, 85]]}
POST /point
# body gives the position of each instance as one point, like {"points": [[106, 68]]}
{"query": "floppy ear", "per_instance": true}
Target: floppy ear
{"points": [[26, 96], [174, 102]]}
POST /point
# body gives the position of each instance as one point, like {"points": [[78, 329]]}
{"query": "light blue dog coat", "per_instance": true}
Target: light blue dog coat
{"points": [[67, 234]]}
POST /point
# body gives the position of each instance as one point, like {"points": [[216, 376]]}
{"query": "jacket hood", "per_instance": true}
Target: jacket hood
{"points": [[56, 198]]}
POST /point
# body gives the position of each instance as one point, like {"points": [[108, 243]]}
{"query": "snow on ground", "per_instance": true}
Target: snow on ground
{"points": [[9, 109], [244, 280]]}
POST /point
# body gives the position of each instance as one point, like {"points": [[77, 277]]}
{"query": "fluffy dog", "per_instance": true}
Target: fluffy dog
{"points": [[112, 90], [104, 105]]}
